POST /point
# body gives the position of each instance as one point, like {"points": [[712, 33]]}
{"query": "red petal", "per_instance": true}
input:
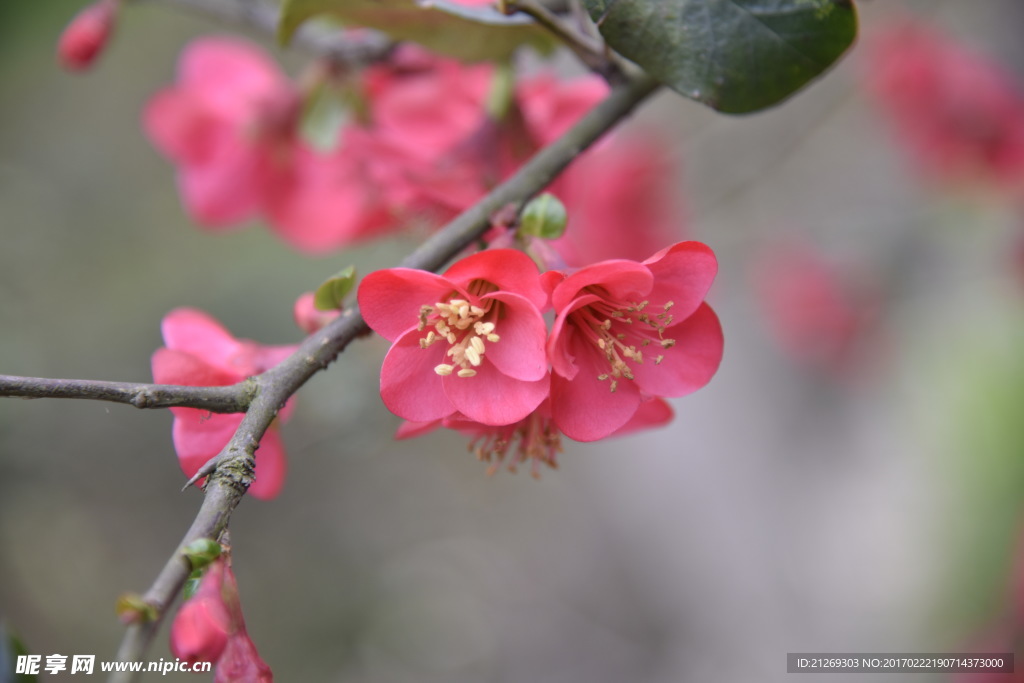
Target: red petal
{"points": [[193, 331], [622, 280], [408, 384], [688, 365], [178, 367], [390, 300], [199, 435], [509, 269], [653, 412], [683, 274], [563, 336], [492, 398], [271, 465], [523, 332], [585, 408]]}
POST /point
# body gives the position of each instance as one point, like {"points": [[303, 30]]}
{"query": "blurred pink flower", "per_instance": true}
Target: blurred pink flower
{"points": [[468, 341], [811, 308], [84, 39], [209, 627], [200, 352], [627, 329], [959, 113], [229, 124]]}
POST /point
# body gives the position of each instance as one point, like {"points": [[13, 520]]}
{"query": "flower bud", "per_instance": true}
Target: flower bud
{"points": [[85, 37], [544, 217]]}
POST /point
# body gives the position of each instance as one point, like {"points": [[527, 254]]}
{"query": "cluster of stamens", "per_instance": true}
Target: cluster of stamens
{"points": [[535, 440], [613, 343], [464, 327]]}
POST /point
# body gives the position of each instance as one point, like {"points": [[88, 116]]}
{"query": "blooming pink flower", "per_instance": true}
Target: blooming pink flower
{"points": [[959, 113], [230, 126], [534, 440], [468, 341], [209, 627], [85, 37], [626, 329], [200, 352]]}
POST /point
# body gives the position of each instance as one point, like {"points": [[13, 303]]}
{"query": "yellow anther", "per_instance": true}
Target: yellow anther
{"points": [[467, 372], [444, 370]]}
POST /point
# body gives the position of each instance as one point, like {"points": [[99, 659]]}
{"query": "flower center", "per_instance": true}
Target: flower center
{"points": [[623, 331], [465, 327]]}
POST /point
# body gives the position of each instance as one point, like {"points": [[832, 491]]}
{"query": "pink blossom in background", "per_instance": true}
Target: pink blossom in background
{"points": [[468, 341], [200, 352], [811, 308], [229, 124], [87, 35], [621, 201], [209, 627], [625, 330], [959, 113]]}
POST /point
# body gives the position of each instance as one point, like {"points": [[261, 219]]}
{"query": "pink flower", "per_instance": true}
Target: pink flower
{"points": [[812, 308], [534, 440], [625, 330], [468, 341], [85, 37], [209, 627], [200, 352], [959, 113]]}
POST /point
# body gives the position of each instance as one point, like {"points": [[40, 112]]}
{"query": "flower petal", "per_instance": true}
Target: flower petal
{"points": [[585, 408], [199, 435], [492, 398], [509, 269], [171, 366], [390, 300], [622, 280], [683, 274], [653, 412], [271, 465], [688, 365], [193, 331], [520, 352], [408, 384]]}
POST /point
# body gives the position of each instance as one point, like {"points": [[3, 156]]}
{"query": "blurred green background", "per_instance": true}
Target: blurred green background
{"points": [[784, 510]]}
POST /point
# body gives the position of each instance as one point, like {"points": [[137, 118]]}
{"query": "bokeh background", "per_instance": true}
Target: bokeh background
{"points": [[796, 504]]}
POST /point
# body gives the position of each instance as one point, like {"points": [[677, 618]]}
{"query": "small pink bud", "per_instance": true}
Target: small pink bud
{"points": [[85, 37], [308, 317]]}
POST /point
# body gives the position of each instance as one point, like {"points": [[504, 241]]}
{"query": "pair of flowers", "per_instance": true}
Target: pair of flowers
{"points": [[471, 349]]}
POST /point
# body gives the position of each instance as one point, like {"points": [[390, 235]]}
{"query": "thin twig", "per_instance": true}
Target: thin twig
{"points": [[589, 51], [229, 399], [234, 469]]}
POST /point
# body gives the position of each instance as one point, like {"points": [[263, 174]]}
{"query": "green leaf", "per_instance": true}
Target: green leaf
{"points": [[331, 294], [202, 552], [469, 33], [736, 56], [544, 216]]}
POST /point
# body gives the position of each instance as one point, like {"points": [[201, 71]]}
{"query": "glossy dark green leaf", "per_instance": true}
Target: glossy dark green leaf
{"points": [[736, 56], [469, 33]]}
